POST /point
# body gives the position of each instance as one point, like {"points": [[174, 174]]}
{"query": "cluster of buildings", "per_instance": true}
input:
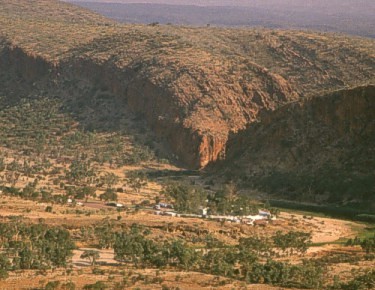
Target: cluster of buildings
{"points": [[260, 219], [248, 219]]}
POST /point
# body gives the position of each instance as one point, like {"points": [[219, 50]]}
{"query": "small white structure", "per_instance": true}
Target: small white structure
{"points": [[203, 210], [115, 204], [165, 205], [264, 213]]}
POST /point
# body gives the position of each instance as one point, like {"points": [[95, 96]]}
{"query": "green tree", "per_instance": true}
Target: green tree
{"points": [[368, 245], [185, 256], [134, 247], [110, 179], [36, 246], [109, 194], [91, 255], [260, 247], [5, 265], [105, 234], [98, 285], [220, 262], [85, 192], [186, 198], [80, 171], [292, 241], [136, 180]]}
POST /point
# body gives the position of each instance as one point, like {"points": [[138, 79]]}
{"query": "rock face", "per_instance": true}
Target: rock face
{"points": [[324, 144], [194, 86], [297, 133]]}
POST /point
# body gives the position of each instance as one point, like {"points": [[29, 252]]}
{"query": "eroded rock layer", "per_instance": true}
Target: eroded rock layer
{"points": [[323, 147]]}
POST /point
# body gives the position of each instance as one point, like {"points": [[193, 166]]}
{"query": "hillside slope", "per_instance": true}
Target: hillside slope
{"points": [[192, 85], [322, 148]]}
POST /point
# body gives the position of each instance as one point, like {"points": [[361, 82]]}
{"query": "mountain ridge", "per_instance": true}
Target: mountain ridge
{"points": [[317, 149], [192, 85]]}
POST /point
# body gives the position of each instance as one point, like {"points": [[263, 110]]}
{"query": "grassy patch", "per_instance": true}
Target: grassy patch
{"points": [[347, 213]]}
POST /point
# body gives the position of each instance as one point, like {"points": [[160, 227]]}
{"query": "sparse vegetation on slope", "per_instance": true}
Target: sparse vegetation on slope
{"points": [[318, 150], [193, 85]]}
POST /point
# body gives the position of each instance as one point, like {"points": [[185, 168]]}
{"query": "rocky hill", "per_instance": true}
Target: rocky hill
{"points": [[194, 86], [322, 148]]}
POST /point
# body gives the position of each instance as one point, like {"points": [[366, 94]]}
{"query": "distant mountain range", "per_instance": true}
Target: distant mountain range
{"points": [[345, 16]]}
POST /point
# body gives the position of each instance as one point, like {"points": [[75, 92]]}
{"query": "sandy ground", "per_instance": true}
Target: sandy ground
{"points": [[84, 276], [106, 257], [324, 230]]}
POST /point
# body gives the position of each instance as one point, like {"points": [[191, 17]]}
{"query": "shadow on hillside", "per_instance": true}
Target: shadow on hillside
{"points": [[91, 105]]}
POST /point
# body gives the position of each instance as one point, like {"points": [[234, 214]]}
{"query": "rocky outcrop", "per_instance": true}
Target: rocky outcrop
{"points": [[324, 145], [308, 132], [160, 107], [30, 68]]}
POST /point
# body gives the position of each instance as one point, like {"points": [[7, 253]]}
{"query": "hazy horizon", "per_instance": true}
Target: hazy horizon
{"points": [[346, 16], [355, 3]]}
